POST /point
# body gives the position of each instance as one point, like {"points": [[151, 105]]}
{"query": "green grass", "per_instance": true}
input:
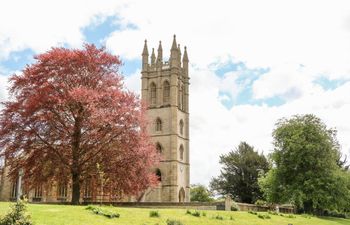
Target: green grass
{"points": [[78, 215]]}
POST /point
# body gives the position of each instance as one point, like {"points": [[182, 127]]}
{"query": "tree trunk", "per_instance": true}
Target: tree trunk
{"points": [[75, 163], [75, 189]]}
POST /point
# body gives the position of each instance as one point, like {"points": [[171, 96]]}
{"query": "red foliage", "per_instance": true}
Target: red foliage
{"points": [[69, 111]]}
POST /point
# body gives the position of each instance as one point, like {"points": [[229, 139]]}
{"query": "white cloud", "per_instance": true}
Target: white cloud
{"points": [[280, 35], [260, 33], [133, 82], [41, 24], [216, 130], [287, 81]]}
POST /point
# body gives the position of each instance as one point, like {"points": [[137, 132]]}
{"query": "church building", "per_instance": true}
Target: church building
{"points": [[165, 90]]}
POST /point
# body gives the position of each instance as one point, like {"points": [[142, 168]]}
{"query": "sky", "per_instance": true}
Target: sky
{"points": [[252, 62]]}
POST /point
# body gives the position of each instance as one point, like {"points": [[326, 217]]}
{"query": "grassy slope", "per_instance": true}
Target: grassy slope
{"points": [[77, 215]]}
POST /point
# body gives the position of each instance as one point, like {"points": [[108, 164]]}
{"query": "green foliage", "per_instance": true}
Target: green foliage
{"points": [[336, 214], [264, 216], [154, 214], [260, 202], [102, 212], [306, 168], [218, 217], [234, 207], [306, 216], [199, 193], [252, 212], [273, 213], [17, 215], [173, 222], [239, 174], [195, 213]]}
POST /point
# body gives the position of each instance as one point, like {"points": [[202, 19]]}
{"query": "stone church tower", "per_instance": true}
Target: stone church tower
{"points": [[165, 91]]}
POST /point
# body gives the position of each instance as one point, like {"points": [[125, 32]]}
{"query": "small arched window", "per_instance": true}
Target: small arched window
{"points": [[181, 151], [158, 124], [153, 93], [159, 174], [166, 92], [159, 148], [181, 125]]}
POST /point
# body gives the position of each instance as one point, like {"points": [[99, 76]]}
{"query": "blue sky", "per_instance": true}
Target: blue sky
{"points": [[251, 62]]}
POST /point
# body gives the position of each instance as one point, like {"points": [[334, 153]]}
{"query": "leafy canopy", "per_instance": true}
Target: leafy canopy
{"points": [[199, 193], [306, 169], [69, 112]]}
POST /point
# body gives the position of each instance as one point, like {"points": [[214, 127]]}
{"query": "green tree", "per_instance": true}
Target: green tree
{"points": [[239, 174], [199, 193], [306, 169]]}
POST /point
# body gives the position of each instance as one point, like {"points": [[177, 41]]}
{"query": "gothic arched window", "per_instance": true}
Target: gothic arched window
{"points": [[87, 190], [181, 124], [179, 97], [166, 92], [158, 124], [181, 151], [183, 97], [159, 147], [38, 193], [62, 191], [153, 96]]}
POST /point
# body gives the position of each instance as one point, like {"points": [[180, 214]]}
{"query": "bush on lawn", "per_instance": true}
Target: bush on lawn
{"points": [[17, 215], [154, 214], [173, 222], [102, 212]]}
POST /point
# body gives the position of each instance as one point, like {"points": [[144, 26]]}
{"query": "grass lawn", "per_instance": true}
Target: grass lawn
{"points": [[77, 215]]}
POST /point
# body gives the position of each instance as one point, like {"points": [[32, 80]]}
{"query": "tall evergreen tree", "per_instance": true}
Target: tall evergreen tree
{"points": [[239, 174]]}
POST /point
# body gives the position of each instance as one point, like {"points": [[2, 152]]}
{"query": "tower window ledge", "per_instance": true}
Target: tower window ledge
{"points": [[165, 105]]}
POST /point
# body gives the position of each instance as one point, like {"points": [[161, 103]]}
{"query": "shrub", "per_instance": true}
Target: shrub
{"points": [[204, 214], [306, 216], [100, 211], [287, 215], [252, 212], [263, 216], [17, 215], [196, 214], [273, 213], [173, 222], [260, 202], [335, 214], [234, 207], [218, 217], [154, 214]]}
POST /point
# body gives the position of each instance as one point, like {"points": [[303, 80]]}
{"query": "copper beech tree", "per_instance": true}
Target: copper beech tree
{"points": [[69, 112]]}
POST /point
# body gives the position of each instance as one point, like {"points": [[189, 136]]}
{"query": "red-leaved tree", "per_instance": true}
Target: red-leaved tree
{"points": [[70, 112]]}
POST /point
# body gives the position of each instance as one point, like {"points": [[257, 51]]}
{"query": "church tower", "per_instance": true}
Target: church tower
{"points": [[165, 89]]}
